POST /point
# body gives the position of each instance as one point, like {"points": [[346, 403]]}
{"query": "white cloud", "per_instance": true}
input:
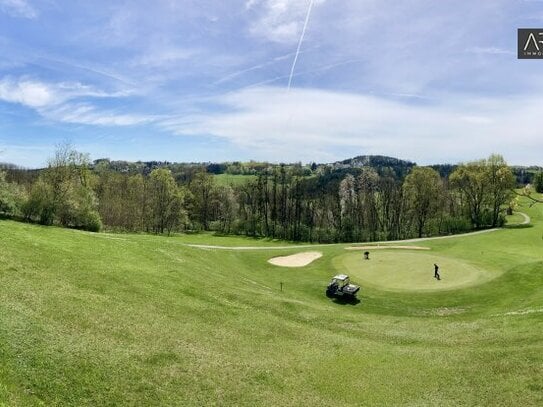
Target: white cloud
{"points": [[490, 50], [54, 101], [87, 114], [18, 8], [27, 92], [250, 4], [236, 74], [37, 94], [279, 20], [161, 57], [316, 124], [394, 59]]}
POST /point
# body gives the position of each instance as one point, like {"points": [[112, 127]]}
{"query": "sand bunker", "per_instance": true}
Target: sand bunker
{"points": [[387, 247], [295, 260]]}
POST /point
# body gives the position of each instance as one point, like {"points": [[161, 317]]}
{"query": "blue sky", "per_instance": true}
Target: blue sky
{"points": [[206, 80]]}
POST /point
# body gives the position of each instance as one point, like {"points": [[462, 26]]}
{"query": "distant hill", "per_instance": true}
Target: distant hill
{"points": [[374, 161], [525, 175], [8, 166], [378, 162], [183, 171]]}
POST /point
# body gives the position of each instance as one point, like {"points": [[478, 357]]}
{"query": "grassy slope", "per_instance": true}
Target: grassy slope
{"points": [[138, 320]]}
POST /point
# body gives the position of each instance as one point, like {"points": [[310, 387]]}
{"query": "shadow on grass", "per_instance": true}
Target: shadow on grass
{"points": [[520, 226], [346, 301], [16, 218], [3, 216]]}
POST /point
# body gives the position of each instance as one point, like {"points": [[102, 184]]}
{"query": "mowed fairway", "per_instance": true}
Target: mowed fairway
{"points": [[106, 320], [403, 270]]}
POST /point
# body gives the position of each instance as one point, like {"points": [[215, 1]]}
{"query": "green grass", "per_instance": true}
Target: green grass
{"points": [[402, 270], [210, 238], [104, 319], [233, 180], [514, 219]]}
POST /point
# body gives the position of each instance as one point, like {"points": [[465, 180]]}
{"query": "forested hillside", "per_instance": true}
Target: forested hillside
{"points": [[365, 198]]}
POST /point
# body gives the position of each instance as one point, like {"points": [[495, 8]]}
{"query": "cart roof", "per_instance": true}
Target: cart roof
{"points": [[341, 277]]}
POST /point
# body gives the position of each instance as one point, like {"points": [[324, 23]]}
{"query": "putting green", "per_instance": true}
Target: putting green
{"points": [[395, 270]]}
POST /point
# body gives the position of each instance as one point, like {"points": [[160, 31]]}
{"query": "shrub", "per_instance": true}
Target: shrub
{"points": [[538, 182], [11, 196], [452, 225], [90, 221]]}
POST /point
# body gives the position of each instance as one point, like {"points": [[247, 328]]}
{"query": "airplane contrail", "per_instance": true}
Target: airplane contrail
{"points": [[299, 45]]}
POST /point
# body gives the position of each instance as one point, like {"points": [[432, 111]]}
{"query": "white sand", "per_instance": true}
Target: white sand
{"points": [[295, 260]]}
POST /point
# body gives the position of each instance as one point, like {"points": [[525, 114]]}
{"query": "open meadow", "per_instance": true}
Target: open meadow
{"points": [[126, 319]]}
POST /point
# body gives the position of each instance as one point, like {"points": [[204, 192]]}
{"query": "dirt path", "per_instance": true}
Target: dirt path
{"points": [[421, 239], [379, 247], [526, 220]]}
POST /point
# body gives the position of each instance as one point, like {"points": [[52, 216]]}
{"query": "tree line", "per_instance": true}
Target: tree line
{"points": [[330, 204]]}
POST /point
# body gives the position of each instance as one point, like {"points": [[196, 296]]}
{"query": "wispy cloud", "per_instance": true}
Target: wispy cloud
{"points": [[234, 75], [279, 20], [419, 79], [304, 123], [34, 93], [161, 57], [84, 113], [490, 50], [18, 8], [320, 69], [55, 101]]}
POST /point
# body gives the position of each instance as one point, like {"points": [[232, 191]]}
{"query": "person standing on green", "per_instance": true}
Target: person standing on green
{"points": [[436, 272]]}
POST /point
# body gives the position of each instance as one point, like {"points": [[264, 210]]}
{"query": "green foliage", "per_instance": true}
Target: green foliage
{"points": [[538, 182], [39, 205], [367, 198], [11, 196], [63, 193], [111, 320], [204, 199], [423, 191], [123, 200], [452, 225], [485, 188], [166, 202], [90, 221]]}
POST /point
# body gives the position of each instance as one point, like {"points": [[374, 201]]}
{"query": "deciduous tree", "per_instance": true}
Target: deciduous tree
{"points": [[422, 190]]}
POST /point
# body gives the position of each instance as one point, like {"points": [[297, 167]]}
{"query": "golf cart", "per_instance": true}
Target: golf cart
{"points": [[340, 287]]}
